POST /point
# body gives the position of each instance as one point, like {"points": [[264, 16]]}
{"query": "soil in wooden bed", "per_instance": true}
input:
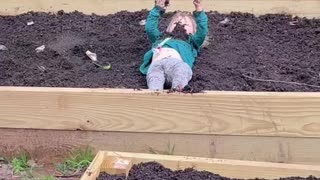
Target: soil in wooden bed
{"points": [[155, 171], [242, 47]]}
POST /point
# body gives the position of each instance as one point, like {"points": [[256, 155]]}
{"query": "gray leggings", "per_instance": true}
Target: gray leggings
{"points": [[169, 70]]}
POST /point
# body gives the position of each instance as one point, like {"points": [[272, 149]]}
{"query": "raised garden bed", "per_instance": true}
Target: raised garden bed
{"points": [[241, 52], [118, 165], [287, 123]]}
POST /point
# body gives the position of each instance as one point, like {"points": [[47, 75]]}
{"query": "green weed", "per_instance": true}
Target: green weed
{"points": [[78, 159], [24, 168], [20, 163]]}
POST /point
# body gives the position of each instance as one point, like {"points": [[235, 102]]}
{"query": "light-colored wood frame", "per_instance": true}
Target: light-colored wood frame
{"points": [[121, 163], [225, 113], [286, 123], [305, 8]]}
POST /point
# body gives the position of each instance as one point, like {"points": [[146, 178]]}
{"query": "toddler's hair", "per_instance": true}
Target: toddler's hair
{"points": [[182, 14]]}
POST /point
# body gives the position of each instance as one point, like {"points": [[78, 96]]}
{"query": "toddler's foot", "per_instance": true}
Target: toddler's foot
{"points": [[186, 89]]}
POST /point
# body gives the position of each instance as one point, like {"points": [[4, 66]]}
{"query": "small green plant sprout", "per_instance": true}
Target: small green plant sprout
{"points": [[20, 163], [77, 161], [23, 166]]}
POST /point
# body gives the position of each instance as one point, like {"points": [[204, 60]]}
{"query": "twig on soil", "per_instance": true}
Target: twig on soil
{"points": [[61, 64], [76, 173], [42, 68], [284, 82], [293, 23], [120, 27]]}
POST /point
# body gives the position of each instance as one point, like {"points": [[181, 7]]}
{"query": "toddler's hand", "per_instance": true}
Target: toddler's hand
{"points": [[162, 3], [198, 5]]}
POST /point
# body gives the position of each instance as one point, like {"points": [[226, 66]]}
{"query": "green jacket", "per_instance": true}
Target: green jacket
{"points": [[188, 50]]}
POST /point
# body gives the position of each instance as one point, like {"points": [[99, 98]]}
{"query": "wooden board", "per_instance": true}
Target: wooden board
{"points": [[307, 8], [225, 113], [228, 168], [46, 145]]}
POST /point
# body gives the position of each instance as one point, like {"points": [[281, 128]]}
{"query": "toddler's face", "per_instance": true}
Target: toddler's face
{"points": [[186, 21]]}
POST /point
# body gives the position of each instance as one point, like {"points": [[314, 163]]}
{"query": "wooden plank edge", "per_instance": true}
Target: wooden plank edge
{"points": [[227, 168], [156, 157], [94, 169], [146, 91], [305, 8], [226, 113]]}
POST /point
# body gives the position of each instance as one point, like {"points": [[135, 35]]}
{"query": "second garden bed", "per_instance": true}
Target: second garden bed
{"points": [[119, 165]]}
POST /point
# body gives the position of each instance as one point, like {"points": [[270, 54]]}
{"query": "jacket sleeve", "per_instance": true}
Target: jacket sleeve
{"points": [[152, 23], [202, 29]]}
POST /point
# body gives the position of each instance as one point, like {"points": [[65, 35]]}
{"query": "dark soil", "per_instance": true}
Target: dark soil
{"points": [[265, 47], [155, 171]]}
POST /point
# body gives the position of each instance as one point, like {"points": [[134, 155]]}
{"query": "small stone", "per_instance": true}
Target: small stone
{"points": [[30, 23], [225, 21], [3, 48], [143, 22], [40, 49], [91, 55], [293, 23]]}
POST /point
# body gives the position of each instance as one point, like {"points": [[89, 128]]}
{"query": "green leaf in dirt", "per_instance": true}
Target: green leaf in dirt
{"points": [[108, 67], [105, 67]]}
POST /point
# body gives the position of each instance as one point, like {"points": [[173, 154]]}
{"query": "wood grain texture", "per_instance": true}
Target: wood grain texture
{"points": [[228, 168], [51, 144], [225, 113], [307, 8]]}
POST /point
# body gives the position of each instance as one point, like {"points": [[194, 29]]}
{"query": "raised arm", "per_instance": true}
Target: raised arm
{"points": [[153, 18], [202, 25]]}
